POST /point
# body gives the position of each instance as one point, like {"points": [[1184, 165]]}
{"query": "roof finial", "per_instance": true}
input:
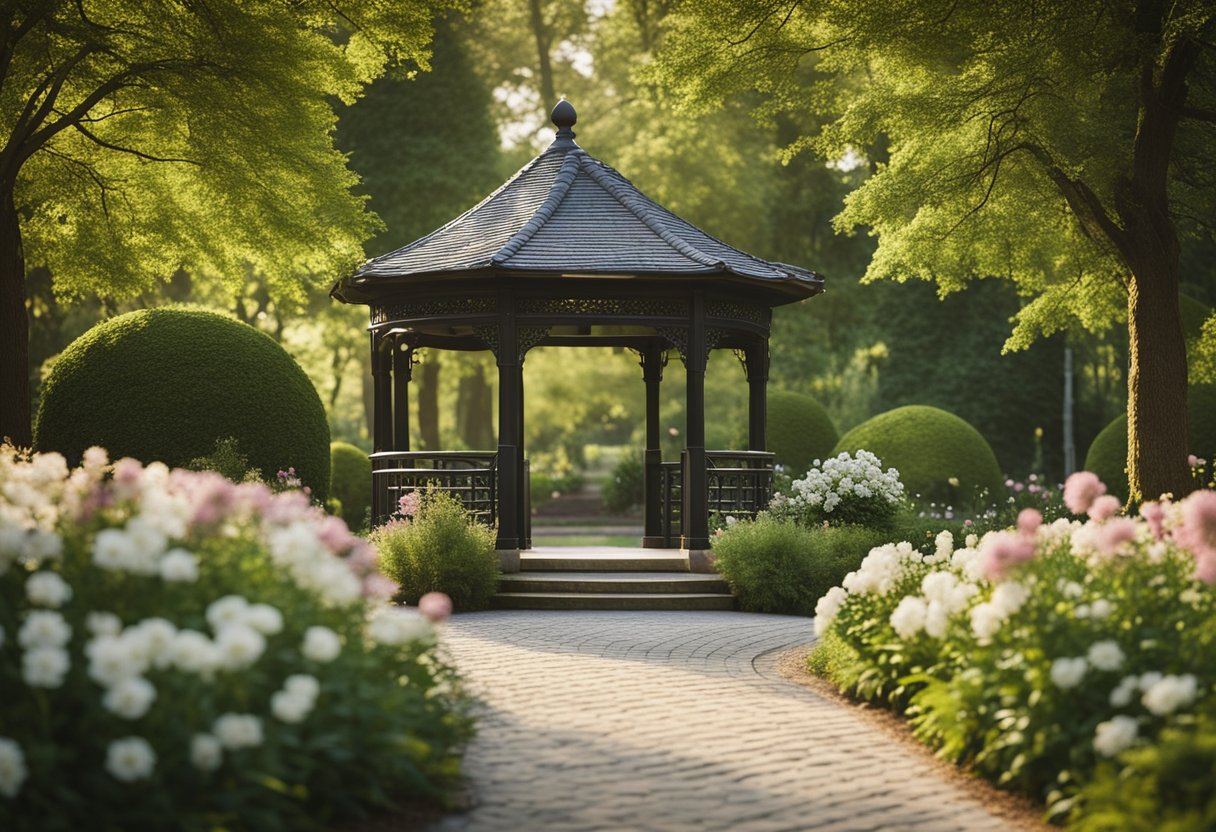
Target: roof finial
{"points": [[564, 117]]}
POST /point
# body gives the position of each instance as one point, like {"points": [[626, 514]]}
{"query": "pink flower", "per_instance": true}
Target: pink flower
{"points": [[1034, 488], [435, 605], [1197, 533], [1111, 535], [213, 498], [967, 523], [379, 587], [1205, 568], [333, 533], [363, 557], [1104, 507], [1019, 487], [1080, 491], [1029, 520], [409, 503], [1154, 515], [1193, 461], [1003, 550]]}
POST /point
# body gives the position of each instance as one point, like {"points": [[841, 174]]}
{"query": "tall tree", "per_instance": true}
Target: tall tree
{"points": [[140, 135], [1066, 146]]}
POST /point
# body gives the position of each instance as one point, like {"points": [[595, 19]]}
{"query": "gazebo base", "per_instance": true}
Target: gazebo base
{"points": [[508, 560], [700, 560]]}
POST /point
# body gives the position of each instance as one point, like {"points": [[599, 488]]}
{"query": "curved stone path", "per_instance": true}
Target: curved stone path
{"points": [[674, 721]]}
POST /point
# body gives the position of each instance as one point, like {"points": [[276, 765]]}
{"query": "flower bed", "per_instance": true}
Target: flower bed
{"points": [[174, 645], [1051, 657]]}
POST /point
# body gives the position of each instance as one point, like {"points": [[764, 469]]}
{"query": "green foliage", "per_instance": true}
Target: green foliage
{"points": [[167, 384], [1107, 456], [544, 486], [625, 487], [350, 481], [799, 430], [929, 447], [442, 549], [226, 459], [776, 566]]}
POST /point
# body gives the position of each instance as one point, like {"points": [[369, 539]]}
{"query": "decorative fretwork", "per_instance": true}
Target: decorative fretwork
{"points": [[736, 310], [677, 336], [638, 307], [489, 335], [433, 308], [713, 337], [652, 363], [529, 336]]}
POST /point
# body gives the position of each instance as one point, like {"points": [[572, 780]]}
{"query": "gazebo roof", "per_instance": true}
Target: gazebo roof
{"points": [[565, 213]]}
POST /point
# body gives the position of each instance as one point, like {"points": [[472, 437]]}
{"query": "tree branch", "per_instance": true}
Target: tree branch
{"points": [[1095, 222], [1198, 114], [80, 128]]}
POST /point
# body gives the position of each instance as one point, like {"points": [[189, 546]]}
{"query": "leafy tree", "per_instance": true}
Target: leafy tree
{"points": [[1066, 146], [140, 135]]}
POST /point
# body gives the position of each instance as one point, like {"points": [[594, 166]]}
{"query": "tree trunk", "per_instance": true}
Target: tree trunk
{"points": [[14, 331], [1156, 386], [475, 410], [540, 31], [428, 402]]}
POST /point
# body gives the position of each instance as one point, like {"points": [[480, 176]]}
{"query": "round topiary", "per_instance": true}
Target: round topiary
{"points": [[167, 384], [799, 430], [1107, 456], [929, 447], [350, 480]]}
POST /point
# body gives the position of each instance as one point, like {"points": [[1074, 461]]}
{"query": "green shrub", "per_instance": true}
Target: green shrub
{"points": [[799, 430], [1107, 456], [350, 480], [844, 490], [543, 487], [166, 384], [930, 447], [626, 487], [226, 459], [780, 567], [443, 549]]}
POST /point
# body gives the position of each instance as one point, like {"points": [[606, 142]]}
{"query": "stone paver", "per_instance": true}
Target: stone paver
{"points": [[674, 721]]}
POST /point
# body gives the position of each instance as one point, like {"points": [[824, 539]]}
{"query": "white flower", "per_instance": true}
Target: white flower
{"points": [[130, 698], [13, 771], [1169, 694], [206, 752], [103, 623], [237, 731], [986, 620], [130, 759], [1009, 597], [155, 637], [1115, 735], [179, 566], [289, 707], [301, 684], [1105, 655], [42, 546], [113, 658], [396, 625], [226, 611], [1121, 696], [193, 652], [47, 589], [937, 620], [1100, 608], [321, 644], [908, 619], [1147, 680], [265, 619], [239, 646], [1068, 673], [1069, 589], [45, 667], [828, 607], [44, 628]]}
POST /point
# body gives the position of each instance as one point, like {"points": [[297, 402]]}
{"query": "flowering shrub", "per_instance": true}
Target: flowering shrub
{"points": [[1036, 653], [174, 645], [844, 490]]}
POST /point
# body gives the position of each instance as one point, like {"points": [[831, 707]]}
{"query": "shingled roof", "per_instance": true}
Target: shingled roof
{"points": [[567, 212]]}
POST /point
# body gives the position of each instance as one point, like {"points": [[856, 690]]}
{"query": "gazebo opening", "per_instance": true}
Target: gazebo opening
{"points": [[568, 253]]}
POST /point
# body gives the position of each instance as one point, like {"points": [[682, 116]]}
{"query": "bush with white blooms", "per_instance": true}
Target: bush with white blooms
{"points": [[1048, 656], [177, 646], [844, 490]]}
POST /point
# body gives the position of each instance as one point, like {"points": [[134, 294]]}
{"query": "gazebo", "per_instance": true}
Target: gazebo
{"points": [[569, 253]]}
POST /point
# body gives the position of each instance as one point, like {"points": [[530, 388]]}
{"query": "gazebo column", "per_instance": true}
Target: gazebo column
{"points": [[382, 382], [696, 489], [403, 373], [757, 397], [653, 360], [510, 409]]}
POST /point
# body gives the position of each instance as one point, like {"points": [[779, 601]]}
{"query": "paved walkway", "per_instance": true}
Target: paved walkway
{"points": [[674, 721]]}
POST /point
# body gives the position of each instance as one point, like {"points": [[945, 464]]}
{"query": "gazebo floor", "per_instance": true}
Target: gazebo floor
{"points": [[609, 578]]}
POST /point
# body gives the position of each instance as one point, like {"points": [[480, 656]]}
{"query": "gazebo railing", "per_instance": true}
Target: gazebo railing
{"points": [[740, 484], [470, 476]]}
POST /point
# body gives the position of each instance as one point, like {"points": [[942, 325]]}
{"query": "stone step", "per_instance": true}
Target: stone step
{"points": [[590, 563], [611, 601], [613, 582]]}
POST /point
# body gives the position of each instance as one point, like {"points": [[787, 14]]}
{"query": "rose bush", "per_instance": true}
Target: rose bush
{"points": [[1042, 653], [174, 645]]}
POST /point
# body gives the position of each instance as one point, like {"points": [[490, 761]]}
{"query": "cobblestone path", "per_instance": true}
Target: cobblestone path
{"points": [[674, 721]]}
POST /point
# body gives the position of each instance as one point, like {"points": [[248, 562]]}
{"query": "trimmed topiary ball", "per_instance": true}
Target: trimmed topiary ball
{"points": [[799, 430], [166, 384], [350, 480], [1107, 456], [929, 447]]}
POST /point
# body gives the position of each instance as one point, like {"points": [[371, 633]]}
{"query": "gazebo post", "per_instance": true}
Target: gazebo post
{"points": [[757, 396], [403, 373], [696, 489], [652, 373], [382, 380], [510, 407]]}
